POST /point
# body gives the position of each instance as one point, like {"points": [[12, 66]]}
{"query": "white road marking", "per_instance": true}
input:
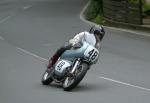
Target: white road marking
{"points": [[113, 28], [27, 7], [5, 19], [34, 55], [1, 38], [123, 83], [8, 17]]}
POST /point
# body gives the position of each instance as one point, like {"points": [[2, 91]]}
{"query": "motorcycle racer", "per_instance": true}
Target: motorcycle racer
{"points": [[93, 37]]}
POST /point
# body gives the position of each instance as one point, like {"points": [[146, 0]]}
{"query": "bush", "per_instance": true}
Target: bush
{"points": [[99, 19], [94, 9], [145, 7]]}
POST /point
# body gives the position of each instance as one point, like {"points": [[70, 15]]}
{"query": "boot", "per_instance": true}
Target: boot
{"points": [[52, 60], [49, 64]]}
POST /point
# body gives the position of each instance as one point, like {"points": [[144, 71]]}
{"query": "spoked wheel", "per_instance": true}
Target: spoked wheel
{"points": [[68, 82], [72, 82], [47, 77]]}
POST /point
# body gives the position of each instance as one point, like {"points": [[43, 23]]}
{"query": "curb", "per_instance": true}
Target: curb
{"points": [[134, 29], [143, 28]]}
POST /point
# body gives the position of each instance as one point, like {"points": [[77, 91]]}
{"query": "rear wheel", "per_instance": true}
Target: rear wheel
{"points": [[72, 82], [47, 77]]}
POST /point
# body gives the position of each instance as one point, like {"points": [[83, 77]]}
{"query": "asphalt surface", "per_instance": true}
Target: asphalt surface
{"points": [[31, 31]]}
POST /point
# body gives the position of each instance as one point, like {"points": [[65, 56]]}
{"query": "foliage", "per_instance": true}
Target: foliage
{"points": [[94, 9], [94, 12], [145, 6], [99, 19]]}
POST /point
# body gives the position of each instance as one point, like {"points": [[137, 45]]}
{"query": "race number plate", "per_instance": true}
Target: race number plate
{"points": [[91, 53], [61, 65]]}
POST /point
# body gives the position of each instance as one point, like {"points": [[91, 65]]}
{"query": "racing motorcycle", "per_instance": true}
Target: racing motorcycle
{"points": [[72, 66]]}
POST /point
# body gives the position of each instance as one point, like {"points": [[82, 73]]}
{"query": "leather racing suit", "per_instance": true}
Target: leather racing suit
{"points": [[86, 36]]}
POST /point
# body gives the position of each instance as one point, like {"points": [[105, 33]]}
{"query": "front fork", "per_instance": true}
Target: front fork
{"points": [[75, 66]]}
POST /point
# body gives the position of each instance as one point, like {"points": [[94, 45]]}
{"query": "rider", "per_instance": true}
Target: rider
{"points": [[93, 37]]}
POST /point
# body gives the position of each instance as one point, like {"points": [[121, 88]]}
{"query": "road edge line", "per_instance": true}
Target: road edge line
{"points": [[31, 54], [123, 83]]}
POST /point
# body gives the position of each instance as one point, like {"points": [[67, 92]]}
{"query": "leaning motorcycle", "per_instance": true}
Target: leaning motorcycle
{"points": [[72, 66]]}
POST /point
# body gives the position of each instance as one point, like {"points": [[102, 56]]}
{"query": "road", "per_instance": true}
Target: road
{"points": [[31, 31]]}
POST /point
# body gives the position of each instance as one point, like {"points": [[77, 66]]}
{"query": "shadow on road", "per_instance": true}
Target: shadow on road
{"points": [[83, 87], [90, 88]]}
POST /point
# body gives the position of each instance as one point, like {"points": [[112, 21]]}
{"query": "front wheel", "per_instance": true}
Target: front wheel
{"points": [[47, 77], [72, 82]]}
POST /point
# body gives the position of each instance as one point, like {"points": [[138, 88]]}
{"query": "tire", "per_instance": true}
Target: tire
{"points": [[72, 82], [47, 77]]}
